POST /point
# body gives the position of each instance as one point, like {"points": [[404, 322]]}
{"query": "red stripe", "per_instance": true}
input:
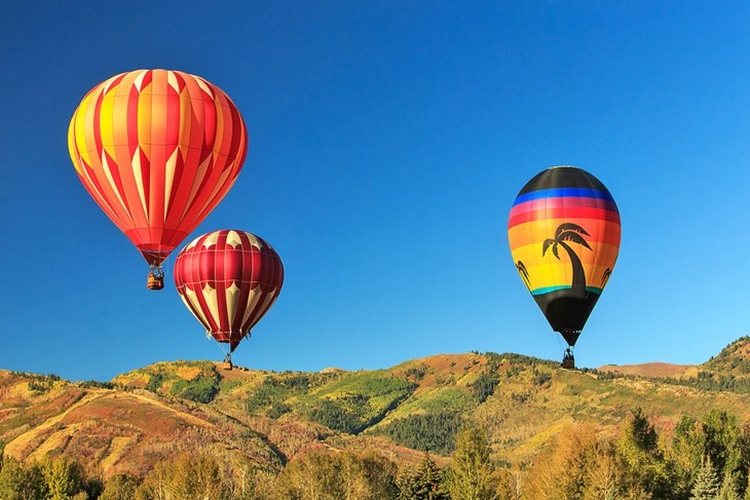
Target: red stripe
{"points": [[97, 130], [564, 213], [209, 123]]}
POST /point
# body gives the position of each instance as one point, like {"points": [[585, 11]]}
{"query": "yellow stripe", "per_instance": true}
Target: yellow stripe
{"points": [[78, 128], [138, 178], [232, 294], [602, 252], [108, 172], [252, 301], [106, 120], [190, 298], [169, 170], [209, 295], [144, 120]]}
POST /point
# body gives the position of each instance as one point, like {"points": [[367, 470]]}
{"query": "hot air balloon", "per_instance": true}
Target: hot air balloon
{"points": [[564, 234], [157, 150], [228, 279]]}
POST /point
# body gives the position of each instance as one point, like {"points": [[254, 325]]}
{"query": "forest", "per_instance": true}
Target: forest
{"points": [[704, 458]]}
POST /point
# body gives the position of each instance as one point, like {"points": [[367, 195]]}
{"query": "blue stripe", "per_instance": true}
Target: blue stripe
{"points": [[549, 289], [564, 193]]}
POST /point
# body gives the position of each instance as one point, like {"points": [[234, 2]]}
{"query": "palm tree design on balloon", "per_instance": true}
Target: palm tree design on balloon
{"points": [[521, 268], [565, 232]]}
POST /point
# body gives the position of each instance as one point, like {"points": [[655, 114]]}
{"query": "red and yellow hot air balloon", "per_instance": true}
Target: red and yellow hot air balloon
{"points": [[228, 279], [157, 150], [564, 235]]}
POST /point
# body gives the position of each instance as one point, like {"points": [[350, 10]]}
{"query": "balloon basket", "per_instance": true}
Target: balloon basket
{"points": [[228, 363], [155, 282], [568, 361]]}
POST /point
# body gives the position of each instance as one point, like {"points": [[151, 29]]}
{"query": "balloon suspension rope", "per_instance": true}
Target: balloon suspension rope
{"points": [[156, 270], [219, 346]]}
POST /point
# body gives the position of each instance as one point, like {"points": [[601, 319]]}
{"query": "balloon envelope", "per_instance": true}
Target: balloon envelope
{"points": [[564, 235], [157, 150], [228, 279]]}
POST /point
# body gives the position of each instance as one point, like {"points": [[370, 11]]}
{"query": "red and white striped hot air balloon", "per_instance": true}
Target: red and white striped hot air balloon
{"points": [[228, 279], [157, 150]]}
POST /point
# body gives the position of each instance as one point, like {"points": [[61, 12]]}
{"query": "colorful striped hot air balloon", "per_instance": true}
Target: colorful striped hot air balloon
{"points": [[157, 150], [564, 234], [228, 279]]}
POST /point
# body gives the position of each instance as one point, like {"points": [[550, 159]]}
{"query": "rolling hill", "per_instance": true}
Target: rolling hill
{"points": [[267, 418]]}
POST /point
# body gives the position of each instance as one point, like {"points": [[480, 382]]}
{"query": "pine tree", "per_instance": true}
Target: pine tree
{"points": [[706, 486], [728, 490], [21, 482], [645, 467], [64, 478], [472, 471], [119, 487], [424, 484]]}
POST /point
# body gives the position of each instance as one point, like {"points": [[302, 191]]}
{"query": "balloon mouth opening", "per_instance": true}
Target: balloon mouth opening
{"points": [[232, 339], [155, 257]]}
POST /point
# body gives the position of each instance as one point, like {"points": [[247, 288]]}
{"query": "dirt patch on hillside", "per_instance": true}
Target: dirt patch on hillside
{"points": [[653, 370]]}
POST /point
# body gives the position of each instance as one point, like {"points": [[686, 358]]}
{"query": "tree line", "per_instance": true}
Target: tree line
{"points": [[700, 459]]}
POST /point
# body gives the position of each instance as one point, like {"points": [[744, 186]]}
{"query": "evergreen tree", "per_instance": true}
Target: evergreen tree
{"points": [[19, 482], [706, 486], [728, 490], [720, 436], [685, 456], [645, 467], [119, 487], [407, 486], [717, 437], [64, 478], [424, 484], [728, 494], [472, 471]]}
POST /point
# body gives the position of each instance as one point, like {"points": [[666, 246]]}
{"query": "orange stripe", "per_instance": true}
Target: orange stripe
{"points": [[538, 231]]}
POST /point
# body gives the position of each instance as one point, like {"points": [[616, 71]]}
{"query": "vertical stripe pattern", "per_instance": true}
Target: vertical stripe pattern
{"points": [[228, 279], [157, 150]]}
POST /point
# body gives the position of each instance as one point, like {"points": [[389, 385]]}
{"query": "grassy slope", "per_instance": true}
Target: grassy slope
{"points": [[267, 418]]}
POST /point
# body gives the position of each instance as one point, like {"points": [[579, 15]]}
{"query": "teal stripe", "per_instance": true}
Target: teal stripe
{"points": [[548, 289]]}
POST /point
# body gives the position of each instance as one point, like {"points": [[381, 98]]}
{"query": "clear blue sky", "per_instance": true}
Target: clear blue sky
{"points": [[387, 143]]}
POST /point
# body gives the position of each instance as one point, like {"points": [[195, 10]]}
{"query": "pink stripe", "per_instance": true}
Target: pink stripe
{"points": [[558, 202]]}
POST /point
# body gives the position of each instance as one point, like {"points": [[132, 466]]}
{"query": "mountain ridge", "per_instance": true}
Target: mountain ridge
{"points": [[267, 418]]}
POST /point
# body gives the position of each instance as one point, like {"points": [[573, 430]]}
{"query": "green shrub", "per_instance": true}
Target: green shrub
{"points": [[201, 389]]}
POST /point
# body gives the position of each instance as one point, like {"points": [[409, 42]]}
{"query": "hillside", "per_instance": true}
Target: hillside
{"points": [[267, 418]]}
